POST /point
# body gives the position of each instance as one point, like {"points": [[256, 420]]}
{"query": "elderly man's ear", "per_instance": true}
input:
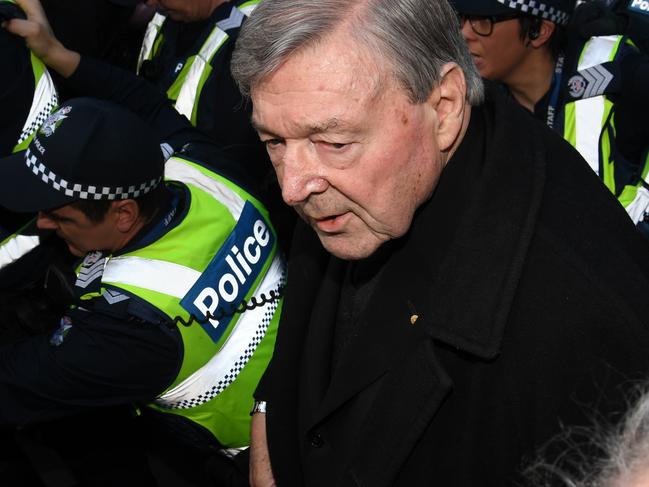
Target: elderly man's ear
{"points": [[448, 100]]}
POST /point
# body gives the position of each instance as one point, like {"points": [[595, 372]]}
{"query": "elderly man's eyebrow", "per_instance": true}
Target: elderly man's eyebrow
{"points": [[325, 126], [317, 128]]}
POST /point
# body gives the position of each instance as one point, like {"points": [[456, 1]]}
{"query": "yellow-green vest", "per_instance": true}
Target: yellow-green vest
{"points": [[224, 241], [187, 88], [589, 123]]}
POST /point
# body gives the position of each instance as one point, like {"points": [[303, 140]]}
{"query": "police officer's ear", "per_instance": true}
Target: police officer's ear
{"points": [[540, 32], [125, 214], [448, 100]]}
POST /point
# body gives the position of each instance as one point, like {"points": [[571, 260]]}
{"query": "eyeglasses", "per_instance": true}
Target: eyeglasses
{"points": [[484, 26]]}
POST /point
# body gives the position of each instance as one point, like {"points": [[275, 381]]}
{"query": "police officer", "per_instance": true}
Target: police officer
{"points": [[186, 51], [592, 91], [183, 447], [176, 298]]}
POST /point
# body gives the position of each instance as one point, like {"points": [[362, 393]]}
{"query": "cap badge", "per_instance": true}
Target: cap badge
{"points": [[54, 120]]}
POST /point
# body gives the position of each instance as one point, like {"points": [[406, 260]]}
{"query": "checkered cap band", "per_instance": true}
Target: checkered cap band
{"points": [[86, 192], [539, 9]]}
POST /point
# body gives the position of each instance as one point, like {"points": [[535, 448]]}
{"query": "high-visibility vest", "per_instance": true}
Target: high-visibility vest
{"points": [[222, 255], [187, 88], [589, 126], [44, 101]]}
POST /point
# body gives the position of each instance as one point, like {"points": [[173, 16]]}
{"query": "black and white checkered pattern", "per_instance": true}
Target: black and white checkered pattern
{"points": [[237, 366], [539, 9], [42, 115], [86, 192]]}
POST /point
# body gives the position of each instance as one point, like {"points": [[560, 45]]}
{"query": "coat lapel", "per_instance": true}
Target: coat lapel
{"points": [[386, 332], [395, 347], [316, 362]]}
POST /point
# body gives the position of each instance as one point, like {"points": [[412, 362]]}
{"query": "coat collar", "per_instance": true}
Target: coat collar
{"points": [[465, 300], [457, 269]]}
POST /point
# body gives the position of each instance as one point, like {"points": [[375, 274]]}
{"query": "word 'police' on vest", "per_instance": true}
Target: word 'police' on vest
{"points": [[228, 286], [230, 275]]}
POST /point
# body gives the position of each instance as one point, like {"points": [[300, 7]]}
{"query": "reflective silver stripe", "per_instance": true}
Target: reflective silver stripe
{"points": [[152, 31], [189, 89], [247, 9], [232, 452], [589, 113], [640, 204], [638, 207], [155, 275], [15, 247], [44, 101], [224, 367], [178, 170], [598, 50]]}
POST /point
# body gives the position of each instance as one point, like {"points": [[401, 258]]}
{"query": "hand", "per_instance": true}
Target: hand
{"points": [[41, 40], [261, 473]]}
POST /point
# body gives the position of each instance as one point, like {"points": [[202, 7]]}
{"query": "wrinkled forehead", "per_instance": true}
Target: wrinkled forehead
{"points": [[337, 63], [317, 91]]}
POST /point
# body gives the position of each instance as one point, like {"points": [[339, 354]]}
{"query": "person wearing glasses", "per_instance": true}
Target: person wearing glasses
{"points": [[590, 90]]}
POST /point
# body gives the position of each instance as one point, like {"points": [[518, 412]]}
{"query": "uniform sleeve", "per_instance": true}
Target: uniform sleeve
{"points": [[635, 79], [95, 363], [632, 107], [102, 80], [16, 89]]}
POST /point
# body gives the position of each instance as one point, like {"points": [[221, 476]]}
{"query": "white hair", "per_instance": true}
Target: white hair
{"points": [[414, 37], [601, 456]]}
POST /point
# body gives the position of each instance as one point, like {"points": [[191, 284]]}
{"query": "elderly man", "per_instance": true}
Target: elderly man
{"points": [[452, 299]]}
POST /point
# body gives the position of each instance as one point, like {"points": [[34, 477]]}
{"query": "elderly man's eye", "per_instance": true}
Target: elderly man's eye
{"points": [[333, 145], [272, 142]]}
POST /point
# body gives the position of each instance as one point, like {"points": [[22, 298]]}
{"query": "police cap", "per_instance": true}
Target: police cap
{"points": [[86, 150]]}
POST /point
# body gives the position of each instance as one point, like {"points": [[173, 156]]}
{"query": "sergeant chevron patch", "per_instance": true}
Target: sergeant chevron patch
{"points": [[92, 268], [234, 21], [591, 82]]}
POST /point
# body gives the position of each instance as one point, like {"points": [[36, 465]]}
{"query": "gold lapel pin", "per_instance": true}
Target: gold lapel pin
{"points": [[413, 319]]}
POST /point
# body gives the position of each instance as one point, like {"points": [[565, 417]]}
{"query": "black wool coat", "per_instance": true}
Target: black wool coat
{"points": [[531, 313]]}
